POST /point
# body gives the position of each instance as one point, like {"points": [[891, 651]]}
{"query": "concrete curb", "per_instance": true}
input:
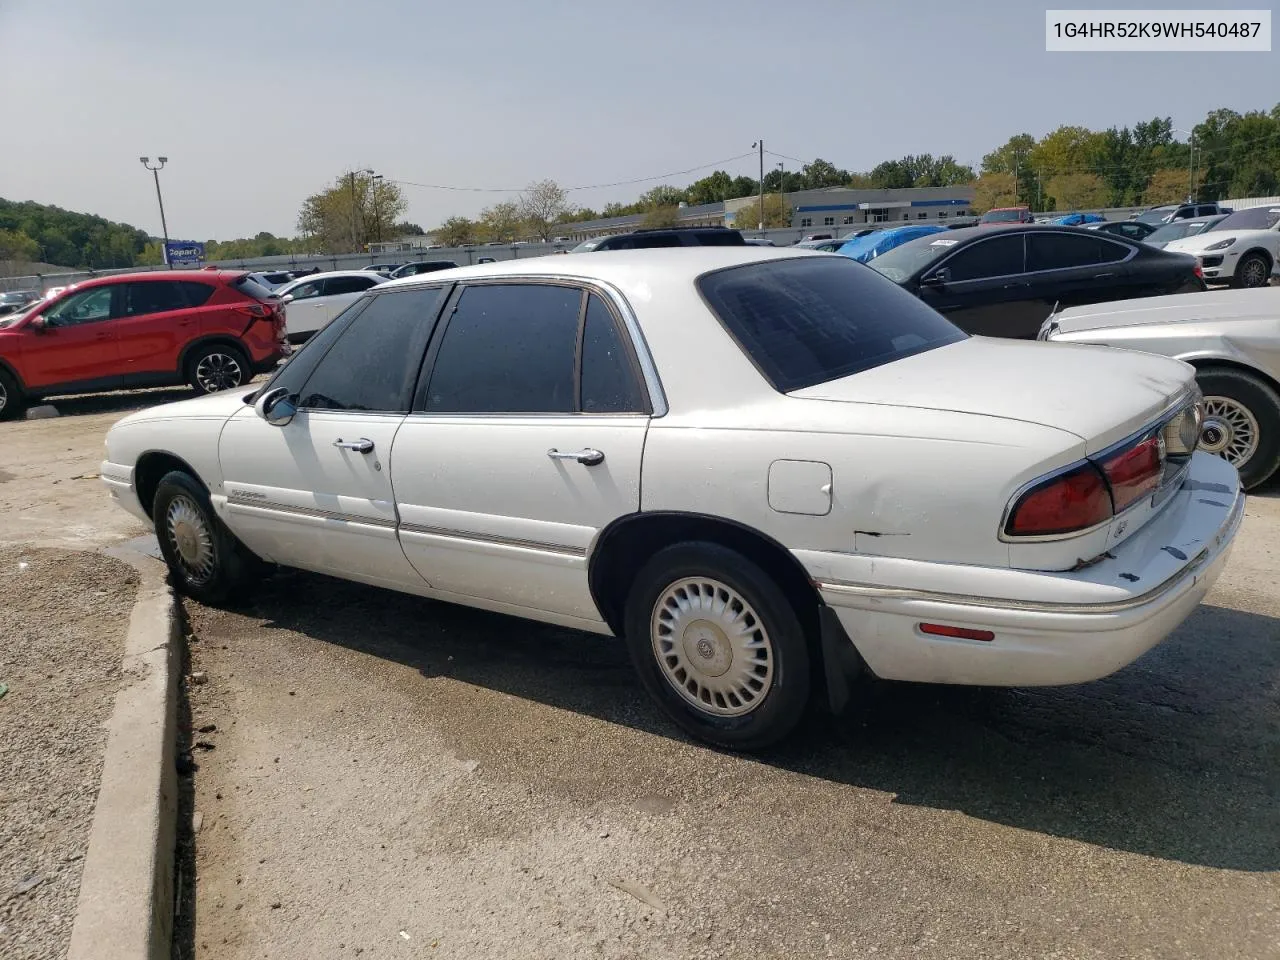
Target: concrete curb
{"points": [[125, 910]]}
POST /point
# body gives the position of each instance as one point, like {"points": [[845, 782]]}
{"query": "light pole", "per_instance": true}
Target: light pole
{"points": [[760, 144], [782, 185], [155, 172], [377, 220]]}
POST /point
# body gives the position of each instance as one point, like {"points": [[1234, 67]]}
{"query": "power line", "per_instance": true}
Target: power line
{"points": [[590, 186]]}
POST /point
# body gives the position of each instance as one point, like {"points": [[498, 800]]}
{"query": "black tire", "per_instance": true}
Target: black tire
{"points": [[1253, 270], [1260, 399], [216, 367], [230, 562], [779, 704], [12, 402]]}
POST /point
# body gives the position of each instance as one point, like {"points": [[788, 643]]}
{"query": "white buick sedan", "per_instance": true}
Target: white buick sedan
{"points": [[767, 470]]}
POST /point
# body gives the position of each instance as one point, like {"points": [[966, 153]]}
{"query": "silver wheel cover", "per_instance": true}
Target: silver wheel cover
{"points": [[1253, 273], [191, 540], [1229, 430], [218, 371], [712, 647]]}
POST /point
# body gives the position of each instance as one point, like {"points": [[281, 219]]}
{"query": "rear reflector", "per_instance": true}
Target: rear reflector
{"points": [[1134, 472], [1072, 501], [960, 633]]}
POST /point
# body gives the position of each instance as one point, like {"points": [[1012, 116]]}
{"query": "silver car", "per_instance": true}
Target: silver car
{"points": [[1231, 337]]}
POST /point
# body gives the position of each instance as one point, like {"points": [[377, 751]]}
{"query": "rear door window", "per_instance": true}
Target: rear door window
{"points": [[337, 285], [197, 294], [810, 320], [152, 296], [609, 382], [1000, 256], [1062, 251]]}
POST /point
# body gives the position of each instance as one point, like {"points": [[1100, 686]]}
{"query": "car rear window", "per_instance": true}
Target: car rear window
{"points": [[252, 288], [810, 320]]}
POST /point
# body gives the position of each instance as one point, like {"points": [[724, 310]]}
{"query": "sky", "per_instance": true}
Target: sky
{"points": [[257, 105]]}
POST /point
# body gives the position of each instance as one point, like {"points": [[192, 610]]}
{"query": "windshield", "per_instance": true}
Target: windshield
{"points": [[901, 262], [1002, 216], [1156, 215], [1177, 230], [587, 245], [1255, 218], [809, 320]]}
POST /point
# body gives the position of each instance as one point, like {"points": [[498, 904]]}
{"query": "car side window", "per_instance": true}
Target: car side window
{"points": [[993, 257], [306, 291], [508, 348], [608, 382], [337, 285], [373, 363], [152, 296], [197, 294], [1060, 251], [87, 306]]}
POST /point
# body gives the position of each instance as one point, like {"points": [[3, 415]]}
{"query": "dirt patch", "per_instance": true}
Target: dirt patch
{"points": [[63, 620]]}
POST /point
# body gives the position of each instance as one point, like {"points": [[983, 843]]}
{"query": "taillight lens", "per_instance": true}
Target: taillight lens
{"points": [[1063, 504], [258, 310], [1134, 472], [1199, 270]]}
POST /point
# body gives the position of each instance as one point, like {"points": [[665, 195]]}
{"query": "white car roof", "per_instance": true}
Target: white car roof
{"points": [[299, 281]]}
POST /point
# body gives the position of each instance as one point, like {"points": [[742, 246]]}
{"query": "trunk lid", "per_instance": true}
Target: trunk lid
{"points": [[1100, 394]]}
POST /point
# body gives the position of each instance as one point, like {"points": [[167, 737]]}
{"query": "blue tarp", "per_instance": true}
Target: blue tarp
{"points": [[1075, 219], [870, 246]]}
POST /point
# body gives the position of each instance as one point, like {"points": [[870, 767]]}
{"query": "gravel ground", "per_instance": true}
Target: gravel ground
{"points": [[384, 776], [63, 619]]}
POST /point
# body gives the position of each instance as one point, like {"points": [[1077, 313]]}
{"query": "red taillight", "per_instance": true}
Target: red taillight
{"points": [[962, 633], [1199, 270], [1133, 473], [258, 310], [1072, 501]]}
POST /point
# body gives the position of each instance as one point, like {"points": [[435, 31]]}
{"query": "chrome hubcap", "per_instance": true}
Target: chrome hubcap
{"points": [[1229, 430], [191, 539], [1253, 273], [712, 647], [218, 371]]}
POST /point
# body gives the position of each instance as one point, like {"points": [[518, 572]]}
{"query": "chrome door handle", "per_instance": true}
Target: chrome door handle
{"points": [[590, 457], [359, 446]]}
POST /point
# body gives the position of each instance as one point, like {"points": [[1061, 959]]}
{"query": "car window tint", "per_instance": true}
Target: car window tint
{"points": [[508, 348], [336, 285], [87, 306], [1059, 251], [154, 296], [609, 383], [992, 257], [809, 320], [196, 294], [374, 361]]}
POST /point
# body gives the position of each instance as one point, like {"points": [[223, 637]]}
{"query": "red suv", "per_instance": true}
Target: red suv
{"points": [[1007, 215], [213, 329]]}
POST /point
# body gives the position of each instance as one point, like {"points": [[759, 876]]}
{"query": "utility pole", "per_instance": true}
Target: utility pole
{"points": [[355, 242], [760, 144], [377, 220], [782, 186], [1191, 170], [164, 227]]}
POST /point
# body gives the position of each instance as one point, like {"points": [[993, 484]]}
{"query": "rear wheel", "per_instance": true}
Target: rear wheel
{"points": [[218, 367], [1253, 270], [205, 559], [11, 399], [1241, 423], [719, 646]]}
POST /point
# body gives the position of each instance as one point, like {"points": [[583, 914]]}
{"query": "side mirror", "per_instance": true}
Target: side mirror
{"points": [[39, 325], [287, 298], [939, 278], [275, 406]]}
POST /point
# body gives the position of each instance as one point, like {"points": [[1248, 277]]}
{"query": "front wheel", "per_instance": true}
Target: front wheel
{"points": [[718, 644], [1241, 423], [205, 559], [1253, 270], [218, 367], [11, 401]]}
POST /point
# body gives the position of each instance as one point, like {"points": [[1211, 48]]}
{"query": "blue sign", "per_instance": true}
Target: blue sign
{"points": [[183, 251]]}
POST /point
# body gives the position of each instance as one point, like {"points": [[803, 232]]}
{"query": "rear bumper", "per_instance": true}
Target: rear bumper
{"points": [[1052, 628]]}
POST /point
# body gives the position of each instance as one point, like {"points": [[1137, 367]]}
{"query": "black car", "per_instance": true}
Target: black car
{"points": [[665, 237], [1004, 281], [1131, 229], [421, 266]]}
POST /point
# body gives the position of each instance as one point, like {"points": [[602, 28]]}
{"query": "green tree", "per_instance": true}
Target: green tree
{"points": [[1166, 186], [353, 211], [662, 216], [456, 232], [406, 229], [1077, 191], [776, 214], [542, 205], [16, 245], [994, 189], [73, 239], [710, 189], [502, 221], [662, 196], [821, 173]]}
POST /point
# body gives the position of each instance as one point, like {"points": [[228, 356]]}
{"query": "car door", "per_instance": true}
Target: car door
{"points": [[983, 288], [1072, 269], [304, 310], [523, 444], [153, 321], [316, 492], [76, 343], [340, 292]]}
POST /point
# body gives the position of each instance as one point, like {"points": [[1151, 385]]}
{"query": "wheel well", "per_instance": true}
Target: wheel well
{"points": [[627, 544], [151, 467], [1209, 364], [225, 340], [1266, 255], [13, 375]]}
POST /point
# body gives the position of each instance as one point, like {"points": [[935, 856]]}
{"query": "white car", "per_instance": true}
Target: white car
{"points": [[766, 469], [273, 280], [1242, 249], [312, 301]]}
